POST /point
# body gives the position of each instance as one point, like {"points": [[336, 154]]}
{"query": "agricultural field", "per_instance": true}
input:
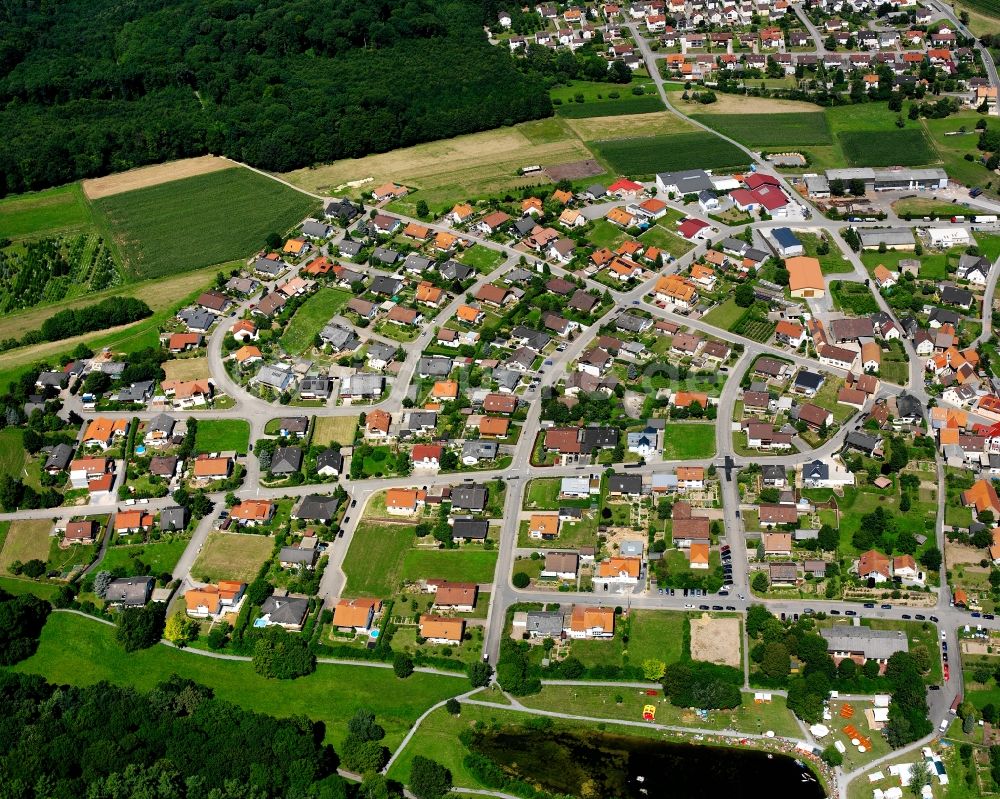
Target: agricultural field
{"points": [[887, 148], [334, 430], [627, 125], [12, 454], [626, 104], [771, 130], [190, 223], [953, 144], [232, 556], [684, 441], [445, 172], [222, 435], [311, 317], [81, 651], [153, 175], [984, 15], [652, 154]]}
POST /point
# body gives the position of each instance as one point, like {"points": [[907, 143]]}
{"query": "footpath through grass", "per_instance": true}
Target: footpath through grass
{"points": [[81, 651], [198, 221]]}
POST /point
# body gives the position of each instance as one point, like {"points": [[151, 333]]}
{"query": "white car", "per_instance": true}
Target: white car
{"points": [[689, 607]]}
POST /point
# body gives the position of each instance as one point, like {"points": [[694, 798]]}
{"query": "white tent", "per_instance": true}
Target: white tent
{"points": [[819, 730]]}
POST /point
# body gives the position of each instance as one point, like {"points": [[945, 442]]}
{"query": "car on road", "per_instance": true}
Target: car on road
{"points": [[809, 611], [850, 613], [976, 614], [740, 597], [344, 523], [702, 607], [933, 687], [947, 674], [834, 612], [661, 591], [919, 616], [907, 616], [548, 362], [886, 607], [935, 619], [989, 616], [689, 606], [730, 607], [354, 503], [723, 592], [869, 605], [716, 607]]}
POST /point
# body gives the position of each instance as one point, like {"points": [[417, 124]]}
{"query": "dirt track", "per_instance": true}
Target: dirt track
{"points": [[152, 175]]}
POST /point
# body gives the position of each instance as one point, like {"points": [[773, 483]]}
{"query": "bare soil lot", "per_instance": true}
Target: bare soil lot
{"points": [[574, 170], [733, 104], [153, 175], [716, 640]]}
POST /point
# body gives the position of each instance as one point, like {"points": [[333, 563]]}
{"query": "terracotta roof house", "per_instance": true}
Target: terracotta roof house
{"points": [[356, 614], [441, 630], [592, 622], [459, 597], [805, 277], [982, 496], [874, 565], [252, 512]]}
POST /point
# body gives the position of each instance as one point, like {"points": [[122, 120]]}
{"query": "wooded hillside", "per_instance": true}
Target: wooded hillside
{"points": [[95, 86]]}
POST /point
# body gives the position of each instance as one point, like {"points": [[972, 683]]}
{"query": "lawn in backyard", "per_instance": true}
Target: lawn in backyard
{"points": [[12, 451], [659, 236], [725, 315], [857, 502], [374, 561], [543, 494], [482, 259], [855, 298], [311, 317], [675, 151], [572, 535], [81, 651], [26, 539], [831, 263], [222, 435], [603, 234], [684, 441], [473, 565], [190, 223], [139, 559], [232, 556], [334, 430], [187, 369], [60, 210], [771, 130]]}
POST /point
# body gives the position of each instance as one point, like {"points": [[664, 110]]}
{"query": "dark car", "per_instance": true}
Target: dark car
{"points": [[907, 616], [850, 613], [988, 616], [935, 619], [730, 607], [702, 607], [869, 604], [886, 607], [919, 616], [834, 612], [716, 607]]}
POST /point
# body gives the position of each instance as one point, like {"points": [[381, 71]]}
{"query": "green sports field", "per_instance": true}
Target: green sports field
{"points": [[198, 221], [675, 151], [81, 651], [771, 130]]}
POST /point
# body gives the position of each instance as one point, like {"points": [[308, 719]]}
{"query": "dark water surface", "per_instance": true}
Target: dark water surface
{"points": [[602, 766]]}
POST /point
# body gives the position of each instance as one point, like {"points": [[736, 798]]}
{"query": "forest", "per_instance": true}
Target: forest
{"points": [[96, 86], [176, 741]]}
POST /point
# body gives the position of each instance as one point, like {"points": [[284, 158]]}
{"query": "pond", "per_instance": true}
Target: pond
{"points": [[603, 766]]}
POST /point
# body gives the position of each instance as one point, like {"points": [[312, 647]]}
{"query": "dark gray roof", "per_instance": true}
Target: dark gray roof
{"points": [[173, 518], [475, 529], [632, 323], [342, 209], [815, 470], [469, 497], [453, 270], [197, 319], [809, 380], [59, 457], [592, 438], [285, 610], [952, 295], [434, 367], [421, 420], [162, 423], [625, 484], [773, 472], [546, 623], [481, 450], [525, 226], [316, 230], [349, 247], [286, 460], [137, 392], [294, 424], [532, 338], [296, 555], [416, 263], [386, 285], [385, 255], [862, 441], [909, 406], [330, 458], [784, 237], [317, 508], [130, 591], [379, 351]]}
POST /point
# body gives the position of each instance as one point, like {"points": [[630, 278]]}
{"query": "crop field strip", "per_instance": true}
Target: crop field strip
{"points": [[199, 221], [907, 147], [677, 151], [771, 130], [643, 104]]}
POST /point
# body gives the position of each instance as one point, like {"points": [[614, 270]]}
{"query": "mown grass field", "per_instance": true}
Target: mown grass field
{"points": [[222, 435], [906, 147], [81, 651], [11, 451], [771, 130], [683, 441], [651, 154], [26, 539], [334, 429], [159, 557], [374, 561], [466, 566], [232, 556], [198, 221], [626, 104], [311, 317], [59, 210]]}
